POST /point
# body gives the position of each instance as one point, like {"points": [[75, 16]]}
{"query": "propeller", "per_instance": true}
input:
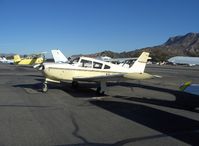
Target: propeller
{"points": [[39, 66]]}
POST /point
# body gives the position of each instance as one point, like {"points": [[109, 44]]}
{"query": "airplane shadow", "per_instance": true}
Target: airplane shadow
{"points": [[36, 86], [83, 91], [178, 127], [39, 76], [183, 100], [181, 128]]}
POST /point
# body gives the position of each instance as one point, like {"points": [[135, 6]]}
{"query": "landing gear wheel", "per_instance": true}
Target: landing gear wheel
{"points": [[44, 88], [99, 92], [75, 84]]}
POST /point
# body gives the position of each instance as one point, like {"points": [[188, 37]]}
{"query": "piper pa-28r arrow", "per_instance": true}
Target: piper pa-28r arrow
{"points": [[93, 70]]}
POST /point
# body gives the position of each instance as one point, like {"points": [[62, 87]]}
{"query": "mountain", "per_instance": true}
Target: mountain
{"points": [[186, 45]]}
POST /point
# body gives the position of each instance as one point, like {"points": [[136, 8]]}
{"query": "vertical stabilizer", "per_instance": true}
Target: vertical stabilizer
{"points": [[140, 63], [17, 58], [58, 56]]}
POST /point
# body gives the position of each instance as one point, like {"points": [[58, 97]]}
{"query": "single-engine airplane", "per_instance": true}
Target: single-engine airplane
{"points": [[29, 60], [93, 70], [5, 60]]}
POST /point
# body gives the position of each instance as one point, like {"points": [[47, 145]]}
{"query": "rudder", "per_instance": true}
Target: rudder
{"points": [[140, 63]]}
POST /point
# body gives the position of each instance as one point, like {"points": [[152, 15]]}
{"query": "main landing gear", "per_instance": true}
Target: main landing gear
{"points": [[102, 88], [75, 84]]}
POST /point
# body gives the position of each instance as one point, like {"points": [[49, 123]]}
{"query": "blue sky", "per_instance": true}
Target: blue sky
{"points": [[89, 26]]}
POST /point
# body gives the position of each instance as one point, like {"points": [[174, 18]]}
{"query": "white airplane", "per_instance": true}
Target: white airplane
{"points": [[58, 57], [4, 60], [93, 70]]}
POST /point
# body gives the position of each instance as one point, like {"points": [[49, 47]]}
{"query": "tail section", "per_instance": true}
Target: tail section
{"points": [[17, 58], [58, 56], [140, 63]]}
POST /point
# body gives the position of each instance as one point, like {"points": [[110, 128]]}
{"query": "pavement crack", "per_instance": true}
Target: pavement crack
{"points": [[75, 132]]}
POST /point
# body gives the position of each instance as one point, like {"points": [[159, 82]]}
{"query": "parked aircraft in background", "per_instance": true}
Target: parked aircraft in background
{"points": [[58, 56], [124, 62], [191, 61], [104, 58], [29, 60], [115, 60], [4, 60], [190, 88], [128, 62], [93, 70]]}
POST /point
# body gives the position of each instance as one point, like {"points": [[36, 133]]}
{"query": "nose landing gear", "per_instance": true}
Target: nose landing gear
{"points": [[44, 87]]}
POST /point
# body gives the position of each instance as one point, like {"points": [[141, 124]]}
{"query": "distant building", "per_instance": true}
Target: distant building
{"points": [[191, 61]]}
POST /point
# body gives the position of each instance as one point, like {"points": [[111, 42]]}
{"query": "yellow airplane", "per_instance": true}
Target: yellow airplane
{"points": [[30, 60], [93, 70]]}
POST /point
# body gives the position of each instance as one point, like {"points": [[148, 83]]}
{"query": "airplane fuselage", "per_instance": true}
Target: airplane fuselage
{"points": [[68, 72]]}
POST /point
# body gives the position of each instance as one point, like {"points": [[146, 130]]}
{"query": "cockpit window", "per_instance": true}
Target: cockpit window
{"points": [[107, 67], [85, 63], [97, 65]]}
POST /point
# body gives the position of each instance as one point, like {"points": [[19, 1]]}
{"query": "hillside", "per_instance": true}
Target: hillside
{"points": [[186, 45]]}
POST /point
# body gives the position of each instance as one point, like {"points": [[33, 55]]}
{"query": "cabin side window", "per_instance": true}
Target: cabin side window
{"points": [[97, 65], [85, 63], [107, 67]]}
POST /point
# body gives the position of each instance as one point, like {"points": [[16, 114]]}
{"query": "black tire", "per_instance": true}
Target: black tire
{"points": [[99, 92], [75, 84]]}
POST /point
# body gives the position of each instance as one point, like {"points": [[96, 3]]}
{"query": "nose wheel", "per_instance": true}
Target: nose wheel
{"points": [[44, 87]]}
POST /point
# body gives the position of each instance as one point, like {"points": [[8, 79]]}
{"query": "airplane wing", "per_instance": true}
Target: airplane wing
{"points": [[116, 77]]}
